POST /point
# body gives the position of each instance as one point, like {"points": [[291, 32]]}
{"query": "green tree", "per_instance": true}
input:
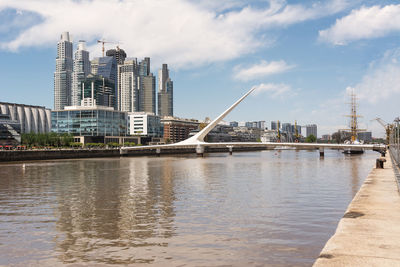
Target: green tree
{"points": [[311, 139]]}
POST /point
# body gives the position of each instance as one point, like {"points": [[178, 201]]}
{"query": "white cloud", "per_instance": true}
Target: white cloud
{"points": [[382, 80], [274, 90], [364, 23], [262, 69], [181, 32]]}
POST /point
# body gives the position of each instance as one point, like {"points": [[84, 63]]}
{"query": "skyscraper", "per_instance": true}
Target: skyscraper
{"points": [[165, 92], [148, 94], [99, 89], [107, 67], [81, 71], [63, 73], [144, 67], [136, 86], [118, 54], [128, 91]]}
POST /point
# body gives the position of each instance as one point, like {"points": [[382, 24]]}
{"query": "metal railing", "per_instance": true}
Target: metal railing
{"points": [[394, 141]]}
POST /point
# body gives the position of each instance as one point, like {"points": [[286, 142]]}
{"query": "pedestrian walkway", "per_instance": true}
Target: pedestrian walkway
{"points": [[369, 232]]}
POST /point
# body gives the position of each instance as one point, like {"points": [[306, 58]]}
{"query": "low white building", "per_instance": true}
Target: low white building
{"points": [[144, 124]]}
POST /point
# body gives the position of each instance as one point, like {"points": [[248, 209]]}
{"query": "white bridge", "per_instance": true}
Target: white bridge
{"points": [[197, 142]]}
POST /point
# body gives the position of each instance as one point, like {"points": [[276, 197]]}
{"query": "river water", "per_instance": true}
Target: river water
{"points": [[265, 208]]}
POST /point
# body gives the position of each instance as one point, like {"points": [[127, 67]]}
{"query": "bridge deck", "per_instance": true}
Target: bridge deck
{"points": [[259, 145]]}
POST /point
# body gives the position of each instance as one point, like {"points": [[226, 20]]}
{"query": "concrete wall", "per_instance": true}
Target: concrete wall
{"points": [[56, 154]]}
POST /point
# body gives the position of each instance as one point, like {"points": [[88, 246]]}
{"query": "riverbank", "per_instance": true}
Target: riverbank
{"points": [[369, 232], [25, 155]]}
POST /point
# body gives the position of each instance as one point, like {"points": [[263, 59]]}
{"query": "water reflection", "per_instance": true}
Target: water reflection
{"points": [[110, 206], [258, 208]]}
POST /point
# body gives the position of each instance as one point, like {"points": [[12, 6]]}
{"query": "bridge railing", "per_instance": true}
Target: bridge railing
{"points": [[394, 142]]}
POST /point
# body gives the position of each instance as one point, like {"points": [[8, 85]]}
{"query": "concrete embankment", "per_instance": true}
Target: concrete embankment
{"points": [[57, 154], [369, 232], [26, 155]]}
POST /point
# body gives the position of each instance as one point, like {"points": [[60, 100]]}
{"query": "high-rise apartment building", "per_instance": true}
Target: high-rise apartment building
{"points": [[80, 72], [128, 91], [136, 86], [165, 92], [63, 73], [311, 129]]}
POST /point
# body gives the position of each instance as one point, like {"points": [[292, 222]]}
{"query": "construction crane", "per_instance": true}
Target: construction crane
{"points": [[388, 128], [106, 42], [279, 131]]}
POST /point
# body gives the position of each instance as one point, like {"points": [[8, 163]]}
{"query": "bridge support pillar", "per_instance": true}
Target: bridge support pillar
{"points": [[230, 149], [200, 150], [321, 152], [158, 152]]}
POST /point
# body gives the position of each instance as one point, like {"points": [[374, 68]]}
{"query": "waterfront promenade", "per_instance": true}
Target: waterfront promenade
{"points": [[369, 232]]}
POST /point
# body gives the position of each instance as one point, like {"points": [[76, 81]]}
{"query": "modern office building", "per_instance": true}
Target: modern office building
{"points": [[311, 129], [10, 131], [118, 54], [63, 73], [35, 119], [274, 125], [147, 93], [90, 120], [80, 71], [177, 129], [144, 67], [165, 92], [365, 136], [100, 89], [107, 67], [144, 124]]}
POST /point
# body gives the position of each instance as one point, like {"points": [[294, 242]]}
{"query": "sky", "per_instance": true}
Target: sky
{"points": [[304, 57]]}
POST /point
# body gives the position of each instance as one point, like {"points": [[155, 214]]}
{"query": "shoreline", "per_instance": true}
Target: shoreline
{"points": [[29, 155]]}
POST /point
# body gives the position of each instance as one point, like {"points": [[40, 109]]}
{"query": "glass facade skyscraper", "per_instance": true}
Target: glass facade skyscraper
{"points": [[100, 89], [63, 73], [107, 67]]}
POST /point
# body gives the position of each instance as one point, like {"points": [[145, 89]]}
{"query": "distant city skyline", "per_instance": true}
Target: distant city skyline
{"points": [[303, 56]]}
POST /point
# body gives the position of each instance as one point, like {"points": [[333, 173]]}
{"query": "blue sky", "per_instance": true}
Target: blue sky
{"points": [[304, 56]]}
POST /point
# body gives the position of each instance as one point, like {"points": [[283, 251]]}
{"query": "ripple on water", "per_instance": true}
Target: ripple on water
{"points": [[257, 208]]}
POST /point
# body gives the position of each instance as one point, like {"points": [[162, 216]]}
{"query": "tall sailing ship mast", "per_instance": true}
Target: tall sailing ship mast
{"points": [[354, 130]]}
